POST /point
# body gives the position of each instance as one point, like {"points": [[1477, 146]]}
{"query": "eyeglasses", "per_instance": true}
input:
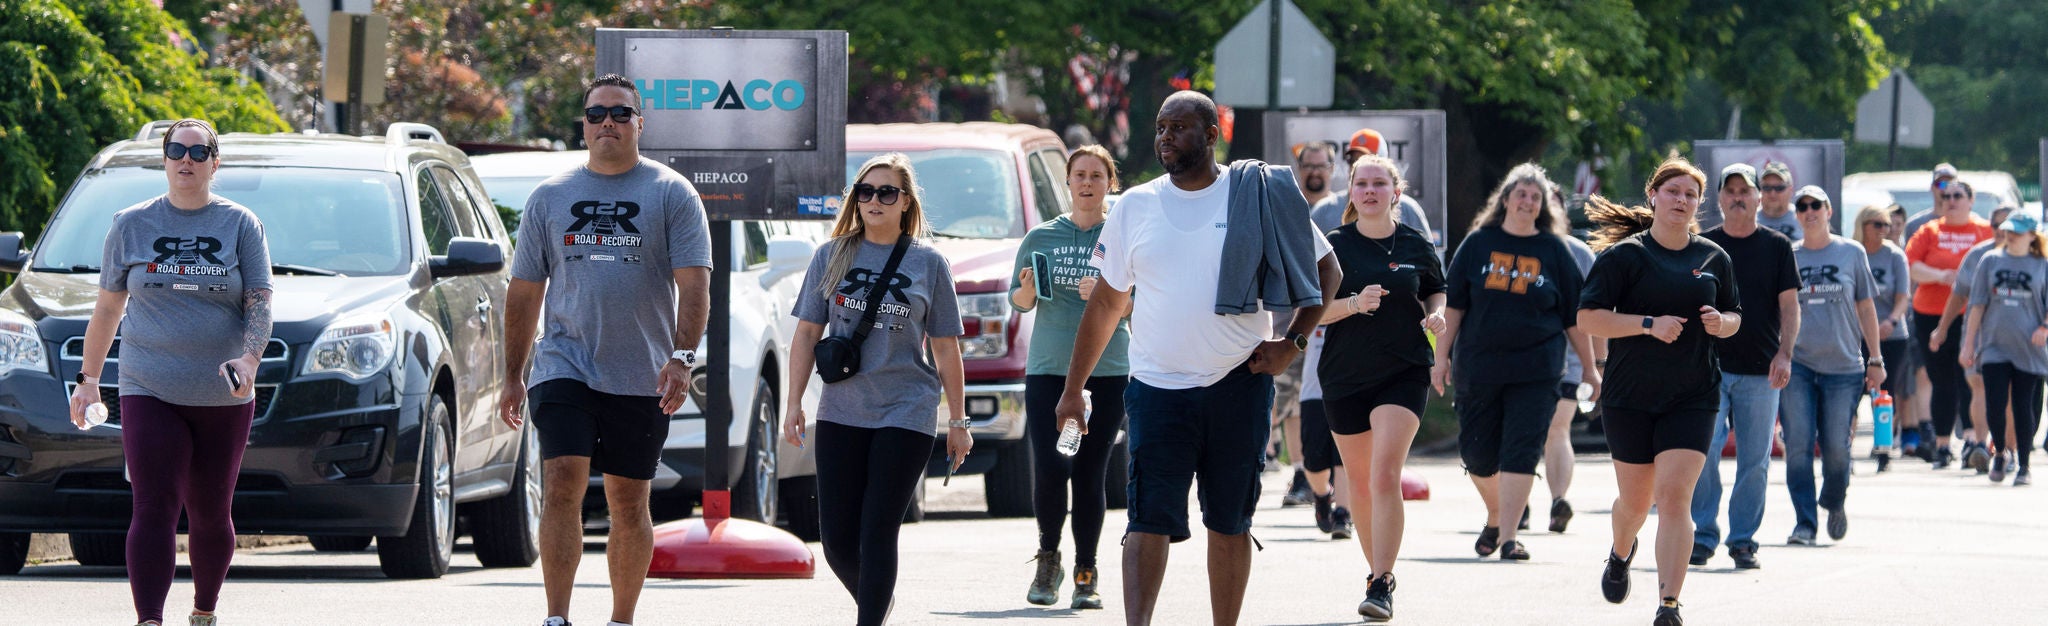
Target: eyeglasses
{"points": [[1773, 188], [1879, 225], [620, 114], [886, 194], [1954, 196], [1811, 205], [199, 152]]}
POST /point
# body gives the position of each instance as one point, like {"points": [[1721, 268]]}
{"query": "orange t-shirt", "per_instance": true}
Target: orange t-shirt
{"points": [[1942, 247]]}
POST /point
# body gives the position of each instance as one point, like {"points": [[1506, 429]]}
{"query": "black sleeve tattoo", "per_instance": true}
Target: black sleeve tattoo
{"points": [[256, 309]]}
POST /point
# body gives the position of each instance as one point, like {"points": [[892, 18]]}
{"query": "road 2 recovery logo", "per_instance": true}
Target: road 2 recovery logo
{"points": [[859, 281], [187, 256], [603, 224]]}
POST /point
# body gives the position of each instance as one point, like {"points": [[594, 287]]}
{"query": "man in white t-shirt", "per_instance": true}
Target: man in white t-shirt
{"points": [[1203, 381]]}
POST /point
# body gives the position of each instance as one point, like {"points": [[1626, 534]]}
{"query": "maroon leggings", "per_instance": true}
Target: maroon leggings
{"points": [[181, 458]]}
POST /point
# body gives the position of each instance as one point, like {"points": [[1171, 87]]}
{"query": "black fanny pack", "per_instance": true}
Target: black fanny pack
{"points": [[838, 358]]}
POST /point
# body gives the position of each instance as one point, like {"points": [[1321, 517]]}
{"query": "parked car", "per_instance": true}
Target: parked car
{"points": [[985, 185], [376, 398], [772, 481], [1909, 189]]}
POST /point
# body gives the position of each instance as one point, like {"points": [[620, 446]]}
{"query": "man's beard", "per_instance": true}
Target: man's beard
{"points": [[1315, 184]]}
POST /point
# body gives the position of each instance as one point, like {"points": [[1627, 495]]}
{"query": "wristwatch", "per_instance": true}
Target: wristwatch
{"points": [[1875, 361], [958, 424], [82, 377], [1649, 322], [1300, 341], [688, 357]]}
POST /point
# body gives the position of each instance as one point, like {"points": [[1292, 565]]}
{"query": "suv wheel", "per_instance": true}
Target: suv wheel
{"points": [[100, 549], [1008, 484], [507, 528], [339, 543], [13, 552], [756, 497], [429, 540]]}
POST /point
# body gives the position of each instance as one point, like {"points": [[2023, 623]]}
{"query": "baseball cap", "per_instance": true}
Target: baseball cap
{"points": [[1812, 191], [1365, 140], [2022, 222], [1944, 171], [1779, 169], [1744, 170]]}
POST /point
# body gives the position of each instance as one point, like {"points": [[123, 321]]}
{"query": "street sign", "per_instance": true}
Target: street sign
{"points": [[756, 120], [1875, 112], [1414, 140], [317, 14], [1246, 62], [1812, 161]]}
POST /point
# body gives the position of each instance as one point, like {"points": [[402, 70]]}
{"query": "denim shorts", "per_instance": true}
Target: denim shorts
{"points": [[1217, 433]]}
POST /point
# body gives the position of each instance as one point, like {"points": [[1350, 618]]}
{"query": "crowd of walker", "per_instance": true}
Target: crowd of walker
{"points": [[1767, 320]]}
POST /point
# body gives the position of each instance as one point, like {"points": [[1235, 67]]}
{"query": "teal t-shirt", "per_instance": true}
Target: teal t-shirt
{"points": [[1067, 250]]}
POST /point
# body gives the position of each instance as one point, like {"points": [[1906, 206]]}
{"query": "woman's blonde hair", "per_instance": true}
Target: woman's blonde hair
{"points": [[1550, 219], [1871, 214], [1393, 171], [848, 229], [1617, 222]]}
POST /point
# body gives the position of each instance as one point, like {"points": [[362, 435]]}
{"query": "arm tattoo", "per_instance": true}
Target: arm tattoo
{"points": [[256, 309]]}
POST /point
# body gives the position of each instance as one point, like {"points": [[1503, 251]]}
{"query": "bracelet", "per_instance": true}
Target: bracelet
{"points": [[960, 423], [1353, 301]]}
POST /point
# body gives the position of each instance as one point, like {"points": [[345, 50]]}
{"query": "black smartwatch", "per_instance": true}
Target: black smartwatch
{"points": [[1300, 341], [1649, 322]]}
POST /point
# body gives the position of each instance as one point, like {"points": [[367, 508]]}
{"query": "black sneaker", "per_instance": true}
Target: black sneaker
{"points": [[1667, 614], [1998, 466], [1045, 585], [1489, 540], [1298, 492], [1942, 457], [1978, 458], [1340, 523], [1614, 580], [1745, 558], [2022, 479], [1560, 514], [1379, 599], [1700, 555], [1512, 551], [1323, 513], [1838, 523]]}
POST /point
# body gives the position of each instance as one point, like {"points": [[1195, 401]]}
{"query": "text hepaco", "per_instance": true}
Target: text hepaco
{"points": [[719, 178], [692, 95]]}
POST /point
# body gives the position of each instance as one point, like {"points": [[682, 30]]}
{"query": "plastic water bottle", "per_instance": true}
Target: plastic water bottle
{"points": [[1070, 438], [1881, 423], [1586, 398], [95, 415]]}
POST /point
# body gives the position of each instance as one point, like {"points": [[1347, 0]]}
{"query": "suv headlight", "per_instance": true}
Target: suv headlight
{"points": [[985, 317], [357, 347], [21, 348]]}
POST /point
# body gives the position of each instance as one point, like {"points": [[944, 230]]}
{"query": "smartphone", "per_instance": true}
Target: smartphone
{"points": [[1041, 274], [949, 472], [234, 380]]}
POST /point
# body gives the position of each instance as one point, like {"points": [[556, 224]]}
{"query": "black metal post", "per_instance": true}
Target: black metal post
{"points": [[718, 391], [1892, 153], [358, 25]]}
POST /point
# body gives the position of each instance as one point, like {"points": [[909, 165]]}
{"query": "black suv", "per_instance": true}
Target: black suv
{"points": [[376, 400]]}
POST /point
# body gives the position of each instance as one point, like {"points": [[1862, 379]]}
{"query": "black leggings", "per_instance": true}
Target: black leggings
{"points": [[1950, 397], [1088, 469], [866, 477], [2025, 392]]}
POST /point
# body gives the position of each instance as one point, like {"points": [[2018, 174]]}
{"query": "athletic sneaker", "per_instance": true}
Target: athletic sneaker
{"points": [[1976, 457], [202, 620], [1838, 523], [1489, 540], [1379, 599], [2022, 479], [1614, 580], [1801, 536], [555, 620], [1942, 457], [1323, 522], [1745, 557], [1700, 554], [1298, 492], [1667, 614], [1909, 442], [1085, 596], [1560, 514], [1045, 586], [1340, 523]]}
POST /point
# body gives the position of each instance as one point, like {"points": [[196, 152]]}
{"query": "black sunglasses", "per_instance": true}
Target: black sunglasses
{"points": [[620, 114], [886, 194], [1883, 225], [1810, 205], [1774, 188], [199, 152]]}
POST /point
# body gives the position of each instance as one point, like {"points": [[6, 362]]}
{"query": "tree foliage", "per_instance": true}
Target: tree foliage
{"points": [[74, 78]]}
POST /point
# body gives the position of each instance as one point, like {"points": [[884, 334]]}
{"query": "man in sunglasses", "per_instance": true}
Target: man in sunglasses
{"points": [[1776, 210], [619, 251]]}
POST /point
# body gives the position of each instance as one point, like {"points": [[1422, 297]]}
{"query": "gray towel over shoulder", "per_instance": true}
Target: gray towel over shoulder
{"points": [[1268, 255]]}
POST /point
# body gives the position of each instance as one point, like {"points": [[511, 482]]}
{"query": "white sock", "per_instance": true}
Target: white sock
{"points": [[617, 624]]}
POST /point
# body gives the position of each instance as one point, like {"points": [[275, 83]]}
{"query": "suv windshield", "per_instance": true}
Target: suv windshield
{"points": [[967, 193], [344, 221]]}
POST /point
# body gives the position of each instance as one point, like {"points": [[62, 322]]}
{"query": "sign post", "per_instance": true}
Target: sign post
{"points": [[1275, 58], [318, 14], [756, 121]]}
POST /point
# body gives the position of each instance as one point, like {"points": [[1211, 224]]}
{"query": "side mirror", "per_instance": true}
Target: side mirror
{"points": [[12, 256], [467, 256], [786, 256]]}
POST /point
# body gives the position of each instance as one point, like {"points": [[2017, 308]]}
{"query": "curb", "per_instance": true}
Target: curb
{"points": [[48, 548]]}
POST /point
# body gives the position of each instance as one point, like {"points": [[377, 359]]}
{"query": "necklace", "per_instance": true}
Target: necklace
{"points": [[1389, 248]]}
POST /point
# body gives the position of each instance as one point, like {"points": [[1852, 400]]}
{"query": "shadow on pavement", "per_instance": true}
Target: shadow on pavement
{"points": [[1016, 613], [651, 585]]}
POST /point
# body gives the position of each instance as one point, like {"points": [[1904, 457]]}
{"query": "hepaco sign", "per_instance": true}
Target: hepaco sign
{"points": [[756, 120]]}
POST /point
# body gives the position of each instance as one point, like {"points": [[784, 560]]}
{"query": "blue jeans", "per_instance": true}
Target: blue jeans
{"points": [[1751, 405], [1818, 405]]}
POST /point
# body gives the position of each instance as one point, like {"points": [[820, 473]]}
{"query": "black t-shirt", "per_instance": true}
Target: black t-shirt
{"points": [[1361, 350], [1764, 268], [1519, 294], [1639, 276]]}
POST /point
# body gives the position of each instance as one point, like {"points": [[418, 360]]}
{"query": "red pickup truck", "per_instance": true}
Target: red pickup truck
{"points": [[985, 185]]}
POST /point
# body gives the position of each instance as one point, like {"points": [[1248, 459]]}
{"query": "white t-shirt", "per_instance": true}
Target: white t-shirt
{"points": [[1168, 244]]}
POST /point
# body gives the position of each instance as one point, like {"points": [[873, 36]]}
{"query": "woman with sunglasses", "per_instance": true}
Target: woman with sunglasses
{"points": [[197, 320], [1663, 295], [1933, 255], [2005, 337], [875, 427], [1837, 328], [1888, 274], [1066, 242]]}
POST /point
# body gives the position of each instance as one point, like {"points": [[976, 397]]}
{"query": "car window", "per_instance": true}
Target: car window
{"points": [[756, 252], [346, 221], [1043, 196], [967, 193], [1056, 171], [435, 221], [461, 204]]}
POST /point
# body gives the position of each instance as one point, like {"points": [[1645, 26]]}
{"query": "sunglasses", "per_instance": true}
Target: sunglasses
{"points": [[1879, 225], [1810, 205], [620, 114], [199, 152], [1774, 188], [886, 194], [1954, 196]]}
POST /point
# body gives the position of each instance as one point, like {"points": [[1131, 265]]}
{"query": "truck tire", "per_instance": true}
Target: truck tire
{"points": [[756, 496], [1118, 475], [799, 511], [100, 549], [1008, 484], [506, 529], [13, 553], [339, 543], [429, 540]]}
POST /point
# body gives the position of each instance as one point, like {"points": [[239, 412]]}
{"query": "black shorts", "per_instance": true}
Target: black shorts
{"points": [[1216, 432], [1635, 436], [1898, 379], [1351, 413], [1502, 427], [622, 435], [1318, 445], [1568, 390]]}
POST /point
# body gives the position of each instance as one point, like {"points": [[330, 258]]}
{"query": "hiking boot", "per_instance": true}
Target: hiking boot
{"points": [[1614, 580], [1379, 599], [1045, 586], [1667, 614], [1298, 492], [1801, 536], [1323, 522], [1745, 558], [1085, 596], [1340, 523], [1700, 554], [1489, 540], [1560, 514]]}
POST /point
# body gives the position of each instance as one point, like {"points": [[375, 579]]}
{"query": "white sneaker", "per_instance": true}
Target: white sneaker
{"points": [[555, 620]]}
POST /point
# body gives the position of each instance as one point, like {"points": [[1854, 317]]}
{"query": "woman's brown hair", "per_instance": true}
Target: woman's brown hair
{"points": [[1549, 219], [1101, 154], [1617, 222]]}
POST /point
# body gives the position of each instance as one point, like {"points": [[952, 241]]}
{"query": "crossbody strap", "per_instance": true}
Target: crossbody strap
{"points": [[876, 290]]}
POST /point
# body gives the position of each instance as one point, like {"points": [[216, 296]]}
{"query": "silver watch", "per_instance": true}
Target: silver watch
{"points": [[688, 357], [957, 424]]}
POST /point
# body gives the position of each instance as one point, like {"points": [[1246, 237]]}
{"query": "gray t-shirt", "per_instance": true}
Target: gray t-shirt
{"points": [[1966, 272], [898, 385], [185, 272], [1832, 280], [2007, 288], [1888, 272], [1582, 254], [607, 247], [1787, 224]]}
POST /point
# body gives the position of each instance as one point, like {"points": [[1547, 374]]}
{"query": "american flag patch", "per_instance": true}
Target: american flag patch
{"points": [[1100, 250]]}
